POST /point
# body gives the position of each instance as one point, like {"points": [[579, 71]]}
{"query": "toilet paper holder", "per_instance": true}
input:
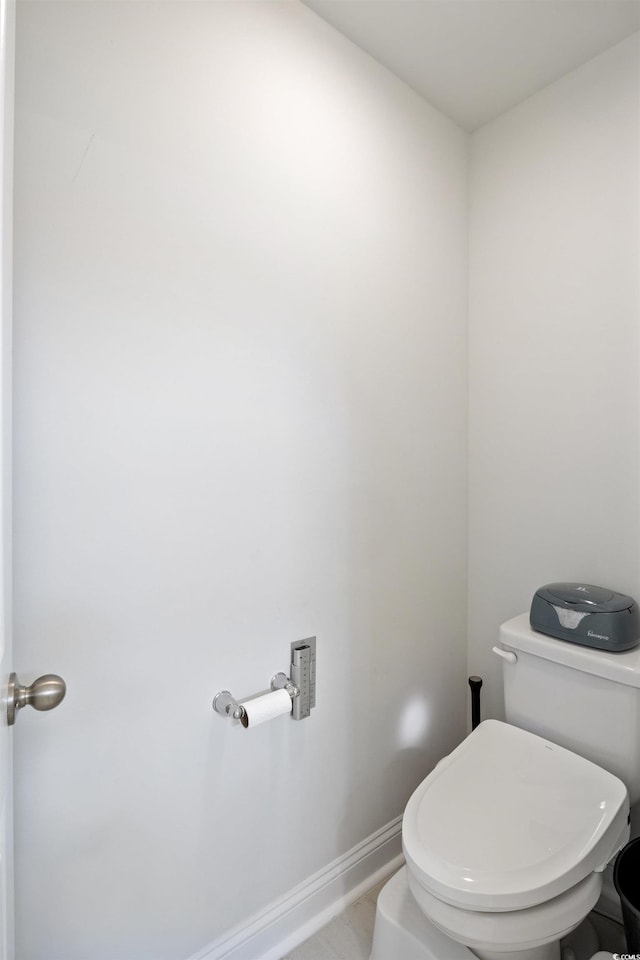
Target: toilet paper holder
{"points": [[226, 704]]}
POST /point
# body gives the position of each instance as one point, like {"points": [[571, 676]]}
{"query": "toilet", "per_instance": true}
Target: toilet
{"points": [[506, 839]]}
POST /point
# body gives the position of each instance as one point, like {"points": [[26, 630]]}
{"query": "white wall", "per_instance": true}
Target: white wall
{"points": [[554, 360], [240, 370]]}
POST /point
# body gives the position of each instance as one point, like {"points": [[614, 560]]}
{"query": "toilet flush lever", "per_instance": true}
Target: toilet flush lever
{"points": [[507, 655], [45, 693]]}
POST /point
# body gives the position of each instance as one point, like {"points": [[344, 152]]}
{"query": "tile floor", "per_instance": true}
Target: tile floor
{"points": [[350, 935]]}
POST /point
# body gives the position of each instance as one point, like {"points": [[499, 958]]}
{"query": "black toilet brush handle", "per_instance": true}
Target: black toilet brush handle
{"points": [[475, 683]]}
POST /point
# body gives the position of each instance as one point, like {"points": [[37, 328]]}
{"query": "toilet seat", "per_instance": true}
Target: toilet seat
{"points": [[510, 820]]}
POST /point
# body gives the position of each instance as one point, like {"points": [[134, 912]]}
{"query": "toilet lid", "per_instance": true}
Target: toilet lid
{"points": [[510, 819]]}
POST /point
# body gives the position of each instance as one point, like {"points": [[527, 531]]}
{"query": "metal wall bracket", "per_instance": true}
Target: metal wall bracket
{"points": [[303, 674], [226, 705]]}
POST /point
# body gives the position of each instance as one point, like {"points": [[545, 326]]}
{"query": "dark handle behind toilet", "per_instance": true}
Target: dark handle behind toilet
{"points": [[475, 683]]}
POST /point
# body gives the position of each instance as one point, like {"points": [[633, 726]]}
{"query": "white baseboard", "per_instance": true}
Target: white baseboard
{"points": [[293, 918]]}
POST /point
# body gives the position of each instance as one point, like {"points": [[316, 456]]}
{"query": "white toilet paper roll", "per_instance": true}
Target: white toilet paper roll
{"points": [[269, 705]]}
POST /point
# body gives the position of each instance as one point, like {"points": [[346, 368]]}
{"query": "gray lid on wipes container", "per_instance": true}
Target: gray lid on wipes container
{"points": [[585, 614]]}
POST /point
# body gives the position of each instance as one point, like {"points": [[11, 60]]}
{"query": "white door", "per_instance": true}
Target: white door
{"points": [[7, 46]]}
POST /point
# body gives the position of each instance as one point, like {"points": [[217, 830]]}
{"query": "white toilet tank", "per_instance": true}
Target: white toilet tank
{"points": [[584, 699]]}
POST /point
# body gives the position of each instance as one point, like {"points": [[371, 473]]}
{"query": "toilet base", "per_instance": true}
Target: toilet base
{"points": [[402, 930], [550, 951]]}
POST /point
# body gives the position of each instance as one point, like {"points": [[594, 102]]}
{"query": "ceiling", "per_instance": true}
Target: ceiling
{"points": [[474, 59]]}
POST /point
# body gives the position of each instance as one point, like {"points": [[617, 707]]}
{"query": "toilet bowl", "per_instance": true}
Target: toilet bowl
{"points": [[532, 933], [506, 839], [402, 931]]}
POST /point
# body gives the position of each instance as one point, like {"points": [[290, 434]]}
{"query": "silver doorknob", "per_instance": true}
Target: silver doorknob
{"points": [[45, 693]]}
